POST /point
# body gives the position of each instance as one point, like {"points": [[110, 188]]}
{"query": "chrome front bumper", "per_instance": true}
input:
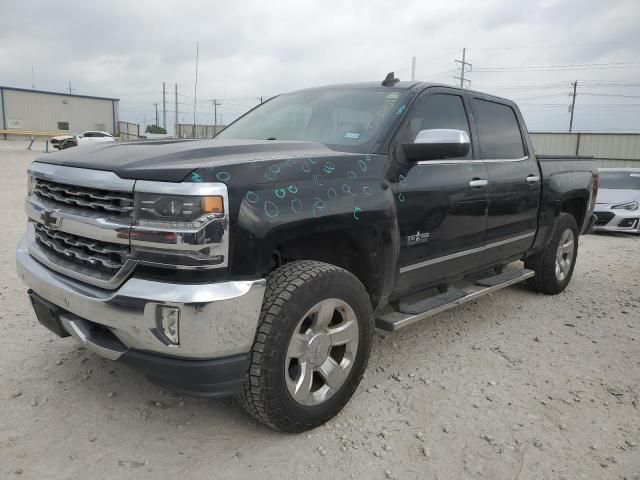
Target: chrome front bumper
{"points": [[216, 320]]}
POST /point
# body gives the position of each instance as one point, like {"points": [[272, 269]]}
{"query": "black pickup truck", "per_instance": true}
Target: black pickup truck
{"points": [[259, 263]]}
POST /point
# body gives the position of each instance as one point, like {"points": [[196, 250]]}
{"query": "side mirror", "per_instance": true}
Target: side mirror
{"points": [[438, 143]]}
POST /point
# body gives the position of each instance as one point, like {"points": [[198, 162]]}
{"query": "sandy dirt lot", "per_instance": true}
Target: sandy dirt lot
{"points": [[514, 386]]}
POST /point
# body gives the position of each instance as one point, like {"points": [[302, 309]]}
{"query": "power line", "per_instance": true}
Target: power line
{"points": [[609, 95], [556, 68], [543, 45]]}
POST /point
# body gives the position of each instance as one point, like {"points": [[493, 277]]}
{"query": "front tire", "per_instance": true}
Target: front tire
{"points": [[311, 348], [554, 265]]}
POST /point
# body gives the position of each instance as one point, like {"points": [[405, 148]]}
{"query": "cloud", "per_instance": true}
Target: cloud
{"points": [[253, 48]]}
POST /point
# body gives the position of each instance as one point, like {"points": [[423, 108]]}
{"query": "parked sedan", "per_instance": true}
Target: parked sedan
{"points": [[618, 201], [85, 138]]}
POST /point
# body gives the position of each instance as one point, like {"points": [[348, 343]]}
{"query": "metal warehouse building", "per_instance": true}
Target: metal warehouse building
{"points": [[45, 113]]}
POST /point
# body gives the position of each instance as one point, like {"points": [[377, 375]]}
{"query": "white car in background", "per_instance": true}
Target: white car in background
{"points": [[618, 201], [85, 138]]}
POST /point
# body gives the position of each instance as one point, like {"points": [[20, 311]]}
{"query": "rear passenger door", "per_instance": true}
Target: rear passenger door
{"points": [[514, 180]]}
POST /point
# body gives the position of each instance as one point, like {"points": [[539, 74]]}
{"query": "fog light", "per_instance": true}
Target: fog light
{"points": [[168, 320], [628, 223]]}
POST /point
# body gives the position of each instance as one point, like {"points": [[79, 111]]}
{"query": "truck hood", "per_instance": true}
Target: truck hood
{"points": [[174, 160], [611, 195]]}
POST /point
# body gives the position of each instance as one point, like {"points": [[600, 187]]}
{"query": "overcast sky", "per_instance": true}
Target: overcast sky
{"points": [[252, 48]]}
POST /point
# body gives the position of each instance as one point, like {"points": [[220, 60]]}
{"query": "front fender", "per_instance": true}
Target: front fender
{"points": [[276, 200]]}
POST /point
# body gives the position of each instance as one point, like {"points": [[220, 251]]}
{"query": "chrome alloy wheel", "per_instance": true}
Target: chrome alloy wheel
{"points": [[564, 255], [321, 352]]}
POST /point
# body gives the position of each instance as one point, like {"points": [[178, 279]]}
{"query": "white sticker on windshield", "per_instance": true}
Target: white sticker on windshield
{"points": [[351, 135]]}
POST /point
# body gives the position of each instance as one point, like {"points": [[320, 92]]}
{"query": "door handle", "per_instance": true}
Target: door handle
{"points": [[533, 178], [478, 183]]}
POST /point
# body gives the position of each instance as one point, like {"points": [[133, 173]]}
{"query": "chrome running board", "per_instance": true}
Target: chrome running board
{"points": [[412, 312]]}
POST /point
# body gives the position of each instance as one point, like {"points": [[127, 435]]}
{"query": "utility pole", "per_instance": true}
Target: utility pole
{"points": [[156, 105], [33, 79], [413, 68], [463, 68], [70, 89], [195, 92], [164, 107], [572, 107], [261, 99], [215, 104], [176, 126]]}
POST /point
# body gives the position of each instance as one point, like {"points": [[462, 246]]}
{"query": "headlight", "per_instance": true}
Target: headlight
{"points": [[626, 206], [183, 226], [176, 211]]}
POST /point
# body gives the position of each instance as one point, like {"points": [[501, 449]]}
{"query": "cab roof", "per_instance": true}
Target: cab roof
{"points": [[405, 85]]}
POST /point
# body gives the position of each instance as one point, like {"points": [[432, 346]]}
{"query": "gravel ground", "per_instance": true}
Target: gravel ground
{"points": [[514, 386]]}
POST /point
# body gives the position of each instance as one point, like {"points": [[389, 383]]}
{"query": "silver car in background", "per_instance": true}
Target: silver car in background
{"points": [[618, 201]]}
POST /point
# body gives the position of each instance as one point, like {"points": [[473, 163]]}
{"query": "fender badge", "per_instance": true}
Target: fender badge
{"points": [[417, 238]]}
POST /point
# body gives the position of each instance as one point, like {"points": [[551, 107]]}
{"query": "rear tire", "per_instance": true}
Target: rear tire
{"points": [[311, 348], [554, 265]]}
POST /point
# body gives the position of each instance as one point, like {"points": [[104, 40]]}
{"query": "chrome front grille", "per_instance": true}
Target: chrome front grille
{"points": [[112, 202], [108, 258], [79, 223]]}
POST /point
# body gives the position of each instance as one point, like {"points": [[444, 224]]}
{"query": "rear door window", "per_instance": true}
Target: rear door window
{"points": [[498, 130]]}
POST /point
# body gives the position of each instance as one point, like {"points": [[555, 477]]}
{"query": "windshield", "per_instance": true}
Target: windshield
{"points": [[620, 180], [343, 119]]}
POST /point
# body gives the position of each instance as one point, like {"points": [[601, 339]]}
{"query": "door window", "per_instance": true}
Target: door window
{"points": [[498, 130], [440, 110]]}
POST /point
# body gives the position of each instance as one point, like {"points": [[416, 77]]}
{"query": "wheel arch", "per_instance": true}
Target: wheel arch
{"points": [[575, 205], [361, 250]]}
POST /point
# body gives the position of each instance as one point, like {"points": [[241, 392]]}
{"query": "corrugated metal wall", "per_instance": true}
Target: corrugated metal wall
{"points": [[609, 149], [185, 130], [35, 111]]}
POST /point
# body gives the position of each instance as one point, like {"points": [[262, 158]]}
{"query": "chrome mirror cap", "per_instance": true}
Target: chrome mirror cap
{"points": [[443, 135], [437, 144]]}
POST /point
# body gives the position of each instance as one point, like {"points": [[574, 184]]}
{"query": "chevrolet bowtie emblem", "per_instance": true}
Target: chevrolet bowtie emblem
{"points": [[50, 219]]}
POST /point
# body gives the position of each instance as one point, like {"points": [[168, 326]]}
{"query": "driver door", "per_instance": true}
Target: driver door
{"points": [[442, 202]]}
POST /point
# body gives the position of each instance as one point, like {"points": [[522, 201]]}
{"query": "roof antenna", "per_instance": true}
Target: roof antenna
{"points": [[390, 80]]}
